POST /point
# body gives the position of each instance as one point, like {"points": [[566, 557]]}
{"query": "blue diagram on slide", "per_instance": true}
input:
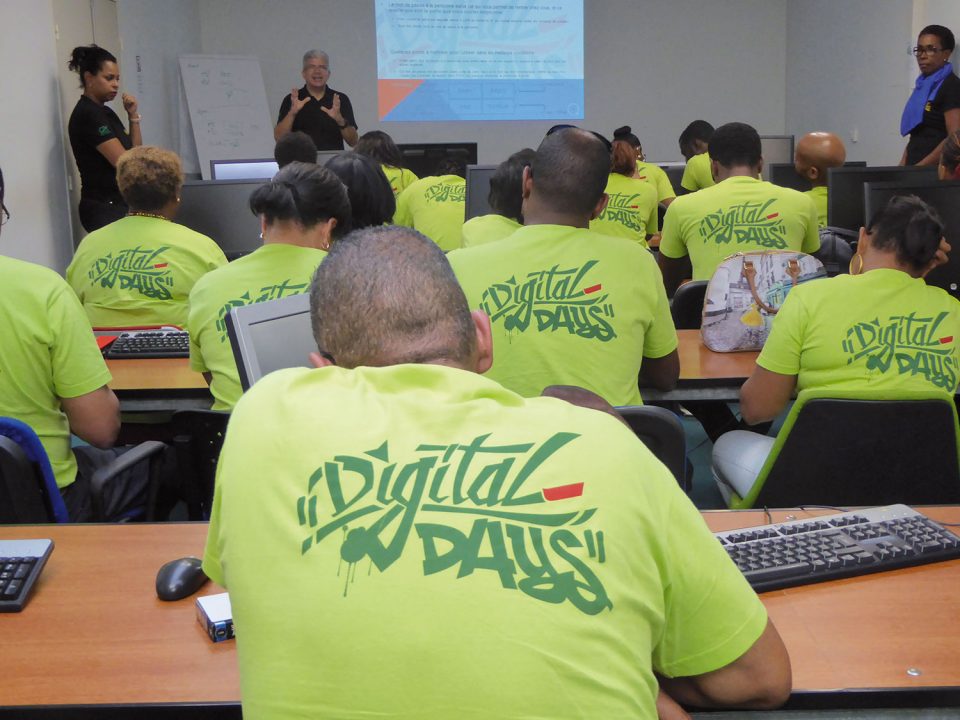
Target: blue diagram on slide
{"points": [[480, 60]]}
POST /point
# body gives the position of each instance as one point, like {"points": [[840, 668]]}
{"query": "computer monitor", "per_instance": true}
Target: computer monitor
{"points": [[674, 173], [243, 169], [270, 336], [775, 149], [323, 156], [785, 175], [220, 209], [845, 189], [478, 190], [424, 158], [944, 197]]}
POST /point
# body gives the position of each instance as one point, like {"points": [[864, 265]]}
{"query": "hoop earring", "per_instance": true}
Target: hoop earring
{"points": [[859, 270]]}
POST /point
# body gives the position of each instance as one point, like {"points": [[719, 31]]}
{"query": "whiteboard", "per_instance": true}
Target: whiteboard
{"points": [[228, 108]]}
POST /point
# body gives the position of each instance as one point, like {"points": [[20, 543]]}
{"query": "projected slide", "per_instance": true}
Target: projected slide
{"points": [[480, 59]]}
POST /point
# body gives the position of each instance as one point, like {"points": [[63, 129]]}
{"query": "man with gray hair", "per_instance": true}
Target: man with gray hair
{"points": [[317, 109], [433, 544]]}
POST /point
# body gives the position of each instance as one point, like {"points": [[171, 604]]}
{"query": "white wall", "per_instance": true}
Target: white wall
{"points": [[849, 71], [32, 155], [653, 65]]}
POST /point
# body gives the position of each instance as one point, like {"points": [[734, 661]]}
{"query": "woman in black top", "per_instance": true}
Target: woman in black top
{"points": [[933, 110], [97, 136]]}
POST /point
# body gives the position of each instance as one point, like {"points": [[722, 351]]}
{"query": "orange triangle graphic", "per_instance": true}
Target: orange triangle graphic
{"points": [[391, 93]]}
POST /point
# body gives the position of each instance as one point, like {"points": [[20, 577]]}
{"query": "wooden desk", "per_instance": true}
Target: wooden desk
{"points": [[158, 384], [94, 633], [704, 374]]}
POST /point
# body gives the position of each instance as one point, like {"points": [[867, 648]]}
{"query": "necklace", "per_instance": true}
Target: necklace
{"points": [[146, 214]]}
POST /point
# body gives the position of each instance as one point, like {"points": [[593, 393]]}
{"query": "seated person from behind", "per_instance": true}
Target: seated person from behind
{"points": [[949, 166], [816, 340], [693, 146], [568, 305], [598, 587], [435, 205], [739, 214], [631, 209], [52, 375], [301, 211], [379, 146], [371, 199], [295, 146], [139, 270], [816, 153], [652, 174], [505, 199]]}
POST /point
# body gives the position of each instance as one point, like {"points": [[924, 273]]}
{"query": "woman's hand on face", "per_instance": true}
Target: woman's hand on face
{"points": [[129, 103]]}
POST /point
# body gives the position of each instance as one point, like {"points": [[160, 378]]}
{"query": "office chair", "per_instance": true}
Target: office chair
{"points": [[862, 448], [836, 249], [28, 488], [198, 439], [661, 431], [686, 307]]}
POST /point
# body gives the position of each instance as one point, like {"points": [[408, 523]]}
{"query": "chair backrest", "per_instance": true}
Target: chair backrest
{"points": [[28, 489], [198, 440], [662, 432], [849, 449], [687, 305]]}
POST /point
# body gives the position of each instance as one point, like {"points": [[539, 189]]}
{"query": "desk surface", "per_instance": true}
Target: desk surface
{"points": [[95, 633]]}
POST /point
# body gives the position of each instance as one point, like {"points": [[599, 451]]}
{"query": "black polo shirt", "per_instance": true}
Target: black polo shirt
{"points": [[315, 122], [933, 129], [91, 125]]}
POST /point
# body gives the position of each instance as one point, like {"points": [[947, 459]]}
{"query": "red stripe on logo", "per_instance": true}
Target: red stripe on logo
{"points": [[161, 265], [947, 339], [592, 289], [562, 492], [771, 217]]}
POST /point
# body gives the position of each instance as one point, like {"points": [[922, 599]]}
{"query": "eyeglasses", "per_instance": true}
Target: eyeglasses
{"points": [[919, 51]]}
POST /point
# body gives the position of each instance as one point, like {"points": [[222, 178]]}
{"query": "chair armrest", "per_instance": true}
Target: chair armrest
{"points": [[98, 483]]}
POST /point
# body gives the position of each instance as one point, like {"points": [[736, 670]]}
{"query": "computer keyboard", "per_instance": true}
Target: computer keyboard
{"points": [[21, 562], [150, 344], [829, 547]]}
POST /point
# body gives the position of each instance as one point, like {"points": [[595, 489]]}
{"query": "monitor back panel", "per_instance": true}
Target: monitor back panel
{"points": [[845, 206], [785, 175], [220, 209], [944, 197], [263, 169], [424, 158], [478, 190], [270, 336]]}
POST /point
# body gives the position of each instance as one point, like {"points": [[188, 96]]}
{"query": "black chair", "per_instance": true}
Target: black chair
{"points": [[198, 440], [662, 432], [861, 449], [836, 249], [687, 305], [23, 495]]}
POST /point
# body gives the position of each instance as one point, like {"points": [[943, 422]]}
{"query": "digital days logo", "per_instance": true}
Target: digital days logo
{"points": [[446, 192], [752, 222], [136, 270], [624, 209]]}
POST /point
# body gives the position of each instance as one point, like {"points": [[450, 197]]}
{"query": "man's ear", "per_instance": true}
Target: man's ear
{"points": [[714, 169], [760, 168], [481, 325], [600, 206], [527, 184], [319, 361]]}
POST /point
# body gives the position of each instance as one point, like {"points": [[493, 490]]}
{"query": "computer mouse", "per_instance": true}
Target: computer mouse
{"points": [[180, 578]]}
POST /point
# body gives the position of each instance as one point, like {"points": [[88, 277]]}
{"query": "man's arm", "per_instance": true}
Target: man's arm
{"points": [[94, 417], [294, 104], [760, 678], [661, 373]]}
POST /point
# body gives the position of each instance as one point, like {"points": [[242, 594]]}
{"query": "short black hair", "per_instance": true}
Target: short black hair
{"points": [[451, 166], [570, 171], [295, 146], [950, 155], [908, 226], [305, 193], [735, 144], [944, 33], [89, 59], [371, 197], [381, 147], [697, 130], [506, 185]]}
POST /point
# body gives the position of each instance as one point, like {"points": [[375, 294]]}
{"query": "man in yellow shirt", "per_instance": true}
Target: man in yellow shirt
{"points": [[693, 147], [448, 544], [816, 153], [739, 214], [435, 205]]}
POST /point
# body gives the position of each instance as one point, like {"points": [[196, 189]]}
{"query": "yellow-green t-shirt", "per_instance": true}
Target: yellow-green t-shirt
{"points": [[697, 173], [739, 214], [655, 175], [399, 178], [140, 270], [487, 228], [569, 306], [434, 206], [880, 330], [48, 353], [819, 197], [417, 541], [273, 271], [631, 210]]}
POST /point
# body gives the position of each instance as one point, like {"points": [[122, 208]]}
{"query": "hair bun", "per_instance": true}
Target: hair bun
{"points": [[622, 132]]}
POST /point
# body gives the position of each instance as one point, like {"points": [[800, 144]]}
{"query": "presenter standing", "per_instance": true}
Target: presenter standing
{"points": [[317, 109], [933, 110], [97, 136]]}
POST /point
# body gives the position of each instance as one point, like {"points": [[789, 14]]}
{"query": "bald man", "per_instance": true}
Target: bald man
{"points": [[816, 153], [439, 544]]}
